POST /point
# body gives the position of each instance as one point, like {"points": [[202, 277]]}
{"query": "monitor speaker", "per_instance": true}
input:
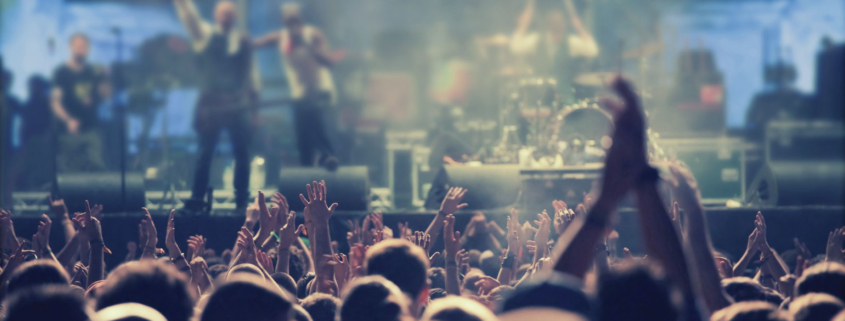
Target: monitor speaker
{"points": [[348, 186], [103, 188]]}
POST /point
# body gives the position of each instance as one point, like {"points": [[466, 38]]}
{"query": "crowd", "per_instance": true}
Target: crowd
{"points": [[563, 266]]}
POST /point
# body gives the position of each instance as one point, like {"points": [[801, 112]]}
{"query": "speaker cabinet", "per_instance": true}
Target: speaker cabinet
{"points": [[349, 186]]}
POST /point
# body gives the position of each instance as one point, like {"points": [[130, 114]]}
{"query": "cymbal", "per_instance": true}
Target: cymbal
{"points": [[595, 79]]}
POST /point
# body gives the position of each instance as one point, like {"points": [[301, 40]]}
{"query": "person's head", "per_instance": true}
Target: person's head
{"points": [[292, 18], [225, 14], [825, 277], [551, 299], [635, 292], [129, 312], [751, 311], [436, 293], [302, 285], [79, 47], [299, 314], [555, 22], [437, 277], [373, 298], [742, 289], [815, 306], [455, 308], [772, 296], [403, 263], [489, 263], [321, 306], [35, 273], [285, 282], [152, 283], [296, 267], [46, 302], [496, 296], [246, 268], [247, 297]]}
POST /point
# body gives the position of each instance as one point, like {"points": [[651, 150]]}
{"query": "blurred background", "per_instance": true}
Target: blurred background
{"points": [[747, 92]]}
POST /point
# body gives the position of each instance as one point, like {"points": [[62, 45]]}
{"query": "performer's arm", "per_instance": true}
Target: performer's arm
{"points": [[266, 40], [524, 20], [198, 29], [61, 113], [576, 21]]}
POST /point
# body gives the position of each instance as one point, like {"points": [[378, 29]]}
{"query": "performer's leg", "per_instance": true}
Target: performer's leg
{"points": [[240, 133], [94, 151], [321, 138], [303, 132], [207, 142]]}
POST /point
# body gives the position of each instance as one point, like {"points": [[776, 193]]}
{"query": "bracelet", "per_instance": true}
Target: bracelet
{"points": [[509, 261], [95, 242], [275, 236], [451, 264]]}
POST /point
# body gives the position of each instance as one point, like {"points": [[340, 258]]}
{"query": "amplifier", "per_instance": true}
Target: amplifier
{"points": [[719, 165]]}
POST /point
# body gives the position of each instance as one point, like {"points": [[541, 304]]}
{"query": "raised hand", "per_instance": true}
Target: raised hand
{"points": [[486, 284], [266, 216], [265, 261], [245, 242], [315, 204], [520, 232], [80, 275], [354, 236], [7, 227], [760, 225], [402, 230], [281, 202], [196, 247], [452, 202], [252, 214], [357, 252], [833, 250], [563, 216], [542, 236], [463, 260], [90, 229], [41, 238], [57, 207], [513, 235], [626, 158], [451, 238], [97, 211], [801, 248], [170, 236], [341, 270], [151, 235]]}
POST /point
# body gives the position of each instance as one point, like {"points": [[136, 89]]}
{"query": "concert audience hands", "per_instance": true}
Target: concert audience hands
{"points": [[422, 240], [451, 238], [486, 284], [833, 250], [315, 205], [541, 238], [196, 247], [58, 207], [342, 270], [452, 202], [626, 159], [41, 238], [7, 227]]}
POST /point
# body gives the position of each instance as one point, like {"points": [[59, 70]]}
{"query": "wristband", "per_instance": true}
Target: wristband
{"points": [[276, 236], [98, 241], [451, 264], [509, 261]]}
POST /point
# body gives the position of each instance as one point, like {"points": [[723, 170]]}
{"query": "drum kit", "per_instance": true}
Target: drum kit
{"points": [[541, 124]]}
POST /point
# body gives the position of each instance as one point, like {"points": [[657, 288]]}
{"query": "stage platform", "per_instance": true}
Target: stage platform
{"points": [[729, 227]]}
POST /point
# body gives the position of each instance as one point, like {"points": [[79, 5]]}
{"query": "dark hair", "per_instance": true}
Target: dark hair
{"points": [[773, 297], [321, 306], [742, 288], [35, 273], [815, 306], [437, 277], [217, 269], [285, 282], [468, 283], [46, 302], [152, 283], [302, 285], [296, 265], [299, 314], [825, 277], [401, 262], [436, 293], [634, 292], [490, 264], [369, 298], [455, 308], [751, 311], [246, 297]]}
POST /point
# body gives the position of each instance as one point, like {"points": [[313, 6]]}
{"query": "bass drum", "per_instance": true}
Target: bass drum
{"points": [[581, 132]]}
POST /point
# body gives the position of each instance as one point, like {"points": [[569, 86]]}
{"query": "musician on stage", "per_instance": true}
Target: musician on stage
{"points": [[305, 56], [78, 89], [555, 52], [228, 93]]}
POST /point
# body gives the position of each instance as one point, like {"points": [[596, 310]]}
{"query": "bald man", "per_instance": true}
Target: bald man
{"points": [[228, 91], [305, 56]]}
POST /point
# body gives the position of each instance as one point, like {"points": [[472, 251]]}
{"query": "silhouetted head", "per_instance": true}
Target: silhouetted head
{"points": [[455, 308], [751, 311], [401, 262], [825, 277], [79, 47], [152, 283], [373, 298], [321, 306], [292, 18], [247, 297], [815, 306], [225, 15], [37, 273], [46, 302], [743, 288]]}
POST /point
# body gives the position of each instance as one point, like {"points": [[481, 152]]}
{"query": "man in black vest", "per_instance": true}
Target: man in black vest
{"points": [[228, 92]]}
